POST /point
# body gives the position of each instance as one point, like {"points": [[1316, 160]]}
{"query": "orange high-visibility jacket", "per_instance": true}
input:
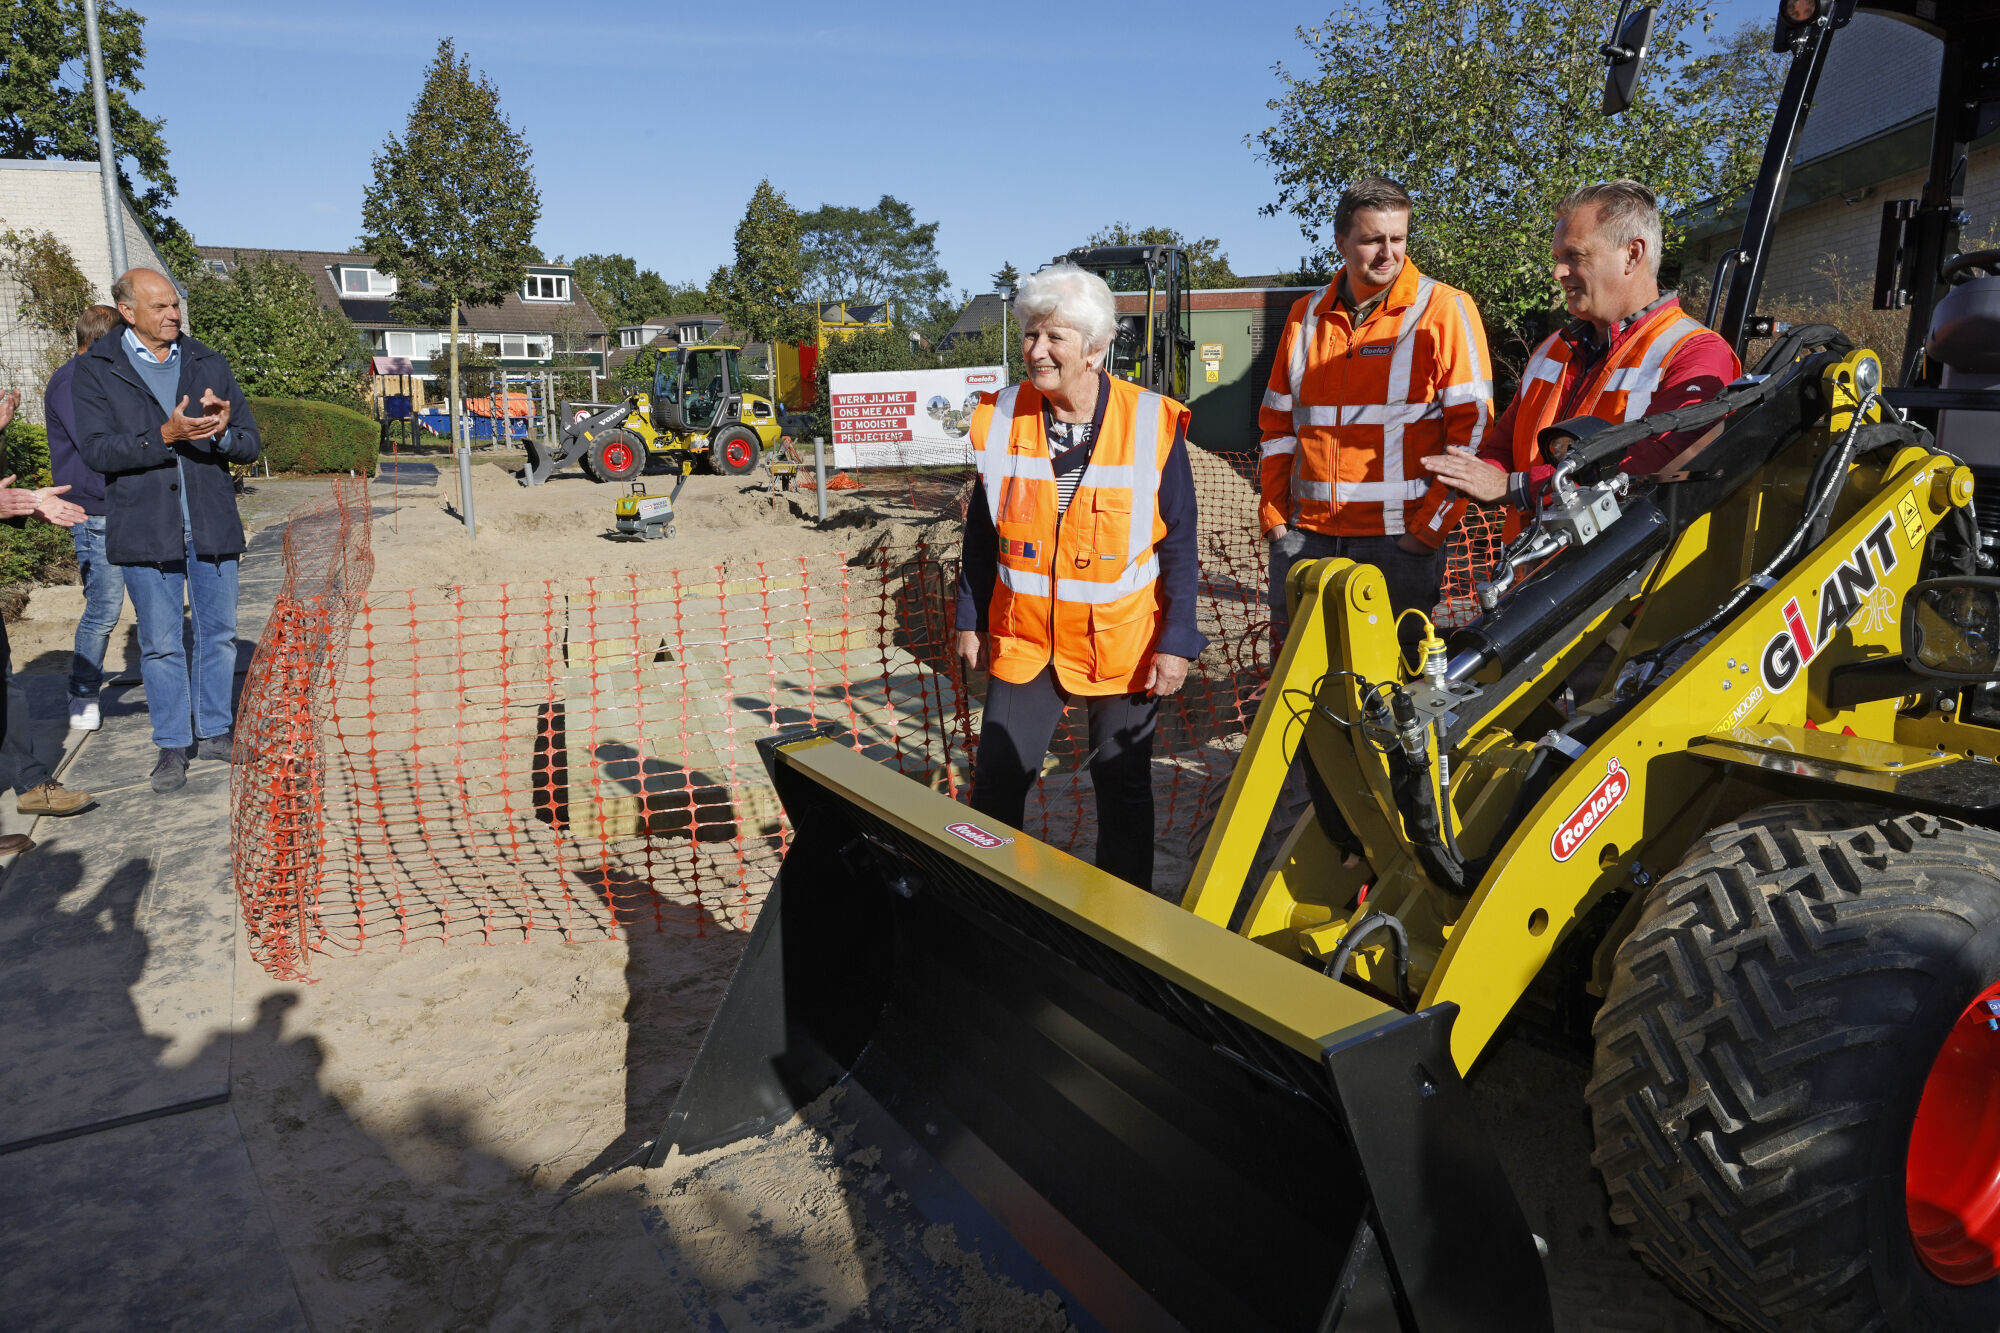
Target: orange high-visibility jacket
{"points": [[1080, 589], [1349, 412], [1620, 388]]}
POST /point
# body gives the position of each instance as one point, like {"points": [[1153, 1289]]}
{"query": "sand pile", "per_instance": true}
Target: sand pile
{"points": [[800, 1229]]}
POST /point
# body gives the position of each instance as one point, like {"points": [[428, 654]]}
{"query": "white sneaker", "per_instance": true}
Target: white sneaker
{"points": [[84, 715]]}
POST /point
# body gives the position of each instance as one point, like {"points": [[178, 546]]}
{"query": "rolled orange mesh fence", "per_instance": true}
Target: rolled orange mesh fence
{"points": [[480, 763]]}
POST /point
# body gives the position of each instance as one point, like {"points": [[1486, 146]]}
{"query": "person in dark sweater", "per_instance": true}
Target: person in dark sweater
{"points": [[103, 582], [162, 417]]}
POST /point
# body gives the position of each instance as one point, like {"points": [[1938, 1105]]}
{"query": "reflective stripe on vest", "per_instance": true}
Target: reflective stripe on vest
{"points": [[1623, 386]]}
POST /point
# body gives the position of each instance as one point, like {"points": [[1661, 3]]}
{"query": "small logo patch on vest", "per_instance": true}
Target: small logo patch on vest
{"points": [[1020, 550], [1380, 349]]}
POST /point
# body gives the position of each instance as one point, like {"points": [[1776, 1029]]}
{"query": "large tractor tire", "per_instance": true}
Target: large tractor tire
{"points": [[1808, 978], [735, 451], [616, 455]]}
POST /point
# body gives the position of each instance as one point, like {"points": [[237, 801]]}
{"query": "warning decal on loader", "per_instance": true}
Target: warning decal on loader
{"points": [[1573, 832]]}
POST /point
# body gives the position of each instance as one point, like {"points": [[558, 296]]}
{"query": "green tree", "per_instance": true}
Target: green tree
{"points": [[761, 293], [46, 110], [451, 213], [1008, 277], [871, 255], [1208, 266], [624, 293], [280, 341], [53, 292], [1488, 112]]}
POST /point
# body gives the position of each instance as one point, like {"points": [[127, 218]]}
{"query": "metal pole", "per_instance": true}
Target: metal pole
{"points": [[107, 157], [819, 466]]}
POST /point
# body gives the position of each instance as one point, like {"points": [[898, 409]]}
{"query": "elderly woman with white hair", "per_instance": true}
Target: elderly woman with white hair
{"points": [[1080, 566]]}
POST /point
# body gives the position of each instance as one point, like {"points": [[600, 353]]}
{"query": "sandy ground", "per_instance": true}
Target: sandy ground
{"points": [[444, 1132], [565, 529]]}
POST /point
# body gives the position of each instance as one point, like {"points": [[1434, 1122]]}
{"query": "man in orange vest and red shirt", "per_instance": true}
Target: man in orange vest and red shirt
{"points": [[1376, 372], [1629, 352]]}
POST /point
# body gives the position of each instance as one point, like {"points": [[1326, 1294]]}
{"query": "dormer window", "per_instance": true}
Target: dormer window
{"points": [[545, 287], [365, 282]]}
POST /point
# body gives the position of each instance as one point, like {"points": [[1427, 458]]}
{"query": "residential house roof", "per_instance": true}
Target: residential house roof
{"points": [[512, 315]]}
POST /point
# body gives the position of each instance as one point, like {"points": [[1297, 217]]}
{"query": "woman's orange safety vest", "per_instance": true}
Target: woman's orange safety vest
{"points": [[1621, 388], [1080, 589]]}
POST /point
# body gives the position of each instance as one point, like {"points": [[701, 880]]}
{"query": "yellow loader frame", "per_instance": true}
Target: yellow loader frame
{"points": [[1703, 748]]}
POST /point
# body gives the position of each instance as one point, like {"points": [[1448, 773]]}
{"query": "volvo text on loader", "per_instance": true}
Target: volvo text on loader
{"points": [[1758, 868]]}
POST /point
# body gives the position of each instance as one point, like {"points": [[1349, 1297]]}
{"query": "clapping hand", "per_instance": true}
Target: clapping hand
{"points": [[7, 406], [215, 409], [51, 506], [48, 502], [180, 426]]}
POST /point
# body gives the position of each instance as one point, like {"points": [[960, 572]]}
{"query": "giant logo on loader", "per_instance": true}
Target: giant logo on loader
{"points": [[1846, 591], [1573, 832]]}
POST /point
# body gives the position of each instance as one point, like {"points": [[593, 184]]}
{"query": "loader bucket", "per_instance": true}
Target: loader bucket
{"points": [[1160, 1122]]}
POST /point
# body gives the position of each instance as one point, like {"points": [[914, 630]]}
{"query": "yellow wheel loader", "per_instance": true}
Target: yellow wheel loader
{"points": [[1758, 862], [698, 414]]}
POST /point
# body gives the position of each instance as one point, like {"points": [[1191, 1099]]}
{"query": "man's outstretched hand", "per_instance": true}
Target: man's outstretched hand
{"points": [[48, 502]]}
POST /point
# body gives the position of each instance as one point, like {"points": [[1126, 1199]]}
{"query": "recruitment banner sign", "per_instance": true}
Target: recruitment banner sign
{"points": [[903, 418]]}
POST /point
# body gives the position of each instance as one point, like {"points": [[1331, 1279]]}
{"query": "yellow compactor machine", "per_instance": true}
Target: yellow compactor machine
{"points": [[1755, 866]]}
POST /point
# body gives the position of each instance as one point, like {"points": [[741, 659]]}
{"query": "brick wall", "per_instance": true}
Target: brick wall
{"points": [[63, 198]]}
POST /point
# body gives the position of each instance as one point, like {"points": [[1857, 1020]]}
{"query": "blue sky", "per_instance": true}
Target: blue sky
{"points": [[1019, 129]]}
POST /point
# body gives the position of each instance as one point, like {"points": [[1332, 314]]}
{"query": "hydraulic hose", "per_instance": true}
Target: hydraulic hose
{"points": [[1399, 948]]}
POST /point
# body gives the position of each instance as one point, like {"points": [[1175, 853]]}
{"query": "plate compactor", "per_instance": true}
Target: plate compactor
{"points": [[1753, 869]]}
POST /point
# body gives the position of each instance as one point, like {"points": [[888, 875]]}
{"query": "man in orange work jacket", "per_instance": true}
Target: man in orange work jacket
{"points": [[1629, 352], [1078, 578], [1376, 372]]}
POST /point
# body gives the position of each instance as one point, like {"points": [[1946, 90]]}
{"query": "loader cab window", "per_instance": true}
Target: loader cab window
{"points": [[667, 377], [708, 377]]}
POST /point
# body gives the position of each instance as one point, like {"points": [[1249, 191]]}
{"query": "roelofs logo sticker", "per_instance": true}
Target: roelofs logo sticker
{"points": [[1573, 832], [976, 835]]}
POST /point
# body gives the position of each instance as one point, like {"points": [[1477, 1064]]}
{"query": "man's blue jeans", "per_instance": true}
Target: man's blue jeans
{"points": [[103, 599], [178, 684]]}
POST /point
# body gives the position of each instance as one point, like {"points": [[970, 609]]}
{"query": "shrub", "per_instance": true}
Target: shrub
{"points": [[30, 549], [305, 436]]}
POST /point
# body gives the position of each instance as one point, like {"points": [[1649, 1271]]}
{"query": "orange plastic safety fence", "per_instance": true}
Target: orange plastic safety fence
{"points": [[484, 762], [277, 794]]}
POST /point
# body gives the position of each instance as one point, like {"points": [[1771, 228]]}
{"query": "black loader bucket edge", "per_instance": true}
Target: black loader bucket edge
{"points": [[1182, 1128]]}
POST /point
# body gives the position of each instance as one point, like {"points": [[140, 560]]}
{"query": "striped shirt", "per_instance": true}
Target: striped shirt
{"points": [[1063, 437]]}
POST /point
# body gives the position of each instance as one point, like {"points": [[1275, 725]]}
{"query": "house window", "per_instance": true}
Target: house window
{"points": [[631, 337], [220, 267], [365, 282], [515, 346], [545, 287], [416, 346]]}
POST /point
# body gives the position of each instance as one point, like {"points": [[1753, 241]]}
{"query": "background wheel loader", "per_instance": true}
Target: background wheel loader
{"points": [[697, 414], [1757, 869]]}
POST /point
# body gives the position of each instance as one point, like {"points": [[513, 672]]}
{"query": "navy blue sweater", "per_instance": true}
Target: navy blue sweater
{"points": [[1180, 558], [66, 465]]}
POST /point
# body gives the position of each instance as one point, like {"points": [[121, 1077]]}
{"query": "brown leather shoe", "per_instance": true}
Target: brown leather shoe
{"points": [[13, 843], [51, 798]]}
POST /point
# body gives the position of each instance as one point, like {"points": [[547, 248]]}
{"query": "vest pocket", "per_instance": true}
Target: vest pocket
{"points": [[1121, 633]]}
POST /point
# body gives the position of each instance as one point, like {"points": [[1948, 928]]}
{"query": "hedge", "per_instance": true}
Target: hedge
{"points": [[29, 548], [304, 436]]}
